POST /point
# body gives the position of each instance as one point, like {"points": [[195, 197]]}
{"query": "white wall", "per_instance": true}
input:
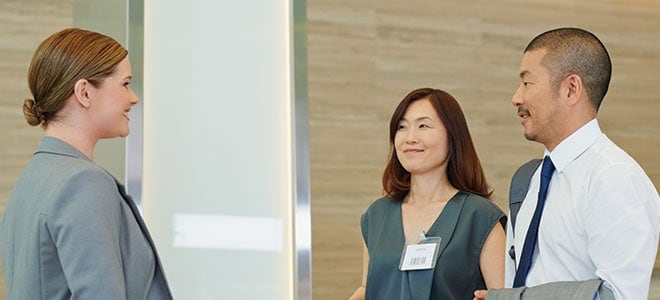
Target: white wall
{"points": [[217, 181]]}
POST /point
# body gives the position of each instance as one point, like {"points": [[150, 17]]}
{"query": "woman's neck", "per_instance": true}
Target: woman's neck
{"points": [[74, 136], [425, 189]]}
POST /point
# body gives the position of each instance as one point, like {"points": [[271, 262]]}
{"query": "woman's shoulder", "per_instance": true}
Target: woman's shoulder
{"points": [[481, 204], [65, 175], [380, 205], [57, 156], [75, 169], [482, 212]]}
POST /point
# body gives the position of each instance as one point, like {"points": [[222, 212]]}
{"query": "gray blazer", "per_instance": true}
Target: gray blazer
{"points": [[69, 231], [565, 290]]}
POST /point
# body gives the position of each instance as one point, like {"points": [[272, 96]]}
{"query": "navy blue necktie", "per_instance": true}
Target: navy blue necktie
{"points": [[532, 233]]}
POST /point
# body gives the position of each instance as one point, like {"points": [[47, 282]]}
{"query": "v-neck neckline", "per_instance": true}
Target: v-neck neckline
{"points": [[433, 226]]}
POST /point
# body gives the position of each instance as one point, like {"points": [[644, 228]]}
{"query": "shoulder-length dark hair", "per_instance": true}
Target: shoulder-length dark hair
{"points": [[463, 167]]}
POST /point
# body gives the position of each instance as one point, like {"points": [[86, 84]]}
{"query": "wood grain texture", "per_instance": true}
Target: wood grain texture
{"points": [[23, 25], [364, 56]]}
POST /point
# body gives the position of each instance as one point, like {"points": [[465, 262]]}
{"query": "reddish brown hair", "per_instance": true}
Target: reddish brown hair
{"points": [[463, 166], [62, 59]]}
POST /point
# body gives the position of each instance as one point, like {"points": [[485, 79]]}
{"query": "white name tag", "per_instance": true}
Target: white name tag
{"points": [[420, 256]]}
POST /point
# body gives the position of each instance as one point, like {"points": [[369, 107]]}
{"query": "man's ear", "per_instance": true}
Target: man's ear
{"points": [[81, 91], [574, 88]]}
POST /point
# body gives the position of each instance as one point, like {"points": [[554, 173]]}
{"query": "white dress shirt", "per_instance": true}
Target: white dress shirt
{"points": [[601, 218]]}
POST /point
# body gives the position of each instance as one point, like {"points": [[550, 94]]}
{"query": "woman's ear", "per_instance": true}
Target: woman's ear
{"points": [[81, 91]]}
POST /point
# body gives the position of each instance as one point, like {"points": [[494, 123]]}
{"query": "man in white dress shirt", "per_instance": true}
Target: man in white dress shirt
{"points": [[601, 218]]}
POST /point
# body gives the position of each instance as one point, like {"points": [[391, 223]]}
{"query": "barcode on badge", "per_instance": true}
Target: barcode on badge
{"points": [[416, 261]]}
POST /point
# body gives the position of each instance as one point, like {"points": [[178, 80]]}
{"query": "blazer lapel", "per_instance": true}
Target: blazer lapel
{"points": [[138, 216], [143, 227], [135, 210]]}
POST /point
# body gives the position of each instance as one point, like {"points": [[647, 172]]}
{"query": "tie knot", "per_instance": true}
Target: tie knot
{"points": [[547, 168]]}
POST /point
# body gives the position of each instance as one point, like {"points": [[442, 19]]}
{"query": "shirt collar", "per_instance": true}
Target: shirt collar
{"points": [[574, 145]]}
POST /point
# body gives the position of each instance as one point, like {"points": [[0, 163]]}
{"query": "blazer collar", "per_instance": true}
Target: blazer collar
{"points": [[56, 146]]}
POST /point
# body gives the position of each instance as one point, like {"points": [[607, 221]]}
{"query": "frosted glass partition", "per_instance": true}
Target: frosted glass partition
{"points": [[218, 177]]}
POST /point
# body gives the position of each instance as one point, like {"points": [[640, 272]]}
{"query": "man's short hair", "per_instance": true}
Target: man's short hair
{"points": [[576, 51]]}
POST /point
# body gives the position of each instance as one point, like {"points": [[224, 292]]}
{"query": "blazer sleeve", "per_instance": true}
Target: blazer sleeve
{"points": [[84, 223]]}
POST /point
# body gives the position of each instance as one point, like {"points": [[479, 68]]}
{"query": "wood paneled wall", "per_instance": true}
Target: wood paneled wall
{"points": [[23, 25], [364, 56]]}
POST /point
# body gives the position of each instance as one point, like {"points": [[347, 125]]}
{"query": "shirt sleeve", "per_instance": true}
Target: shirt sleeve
{"points": [[84, 224], [622, 229]]}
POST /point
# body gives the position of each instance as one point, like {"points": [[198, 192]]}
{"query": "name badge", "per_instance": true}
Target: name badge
{"points": [[420, 256]]}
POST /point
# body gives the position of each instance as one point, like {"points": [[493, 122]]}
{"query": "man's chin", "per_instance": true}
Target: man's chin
{"points": [[530, 137]]}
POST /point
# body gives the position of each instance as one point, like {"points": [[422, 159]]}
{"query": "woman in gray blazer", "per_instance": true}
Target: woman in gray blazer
{"points": [[69, 230]]}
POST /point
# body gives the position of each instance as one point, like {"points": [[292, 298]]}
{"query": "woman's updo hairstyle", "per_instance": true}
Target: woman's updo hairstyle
{"points": [[59, 62]]}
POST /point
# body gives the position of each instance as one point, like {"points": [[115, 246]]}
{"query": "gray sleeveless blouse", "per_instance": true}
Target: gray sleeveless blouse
{"points": [[463, 225]]}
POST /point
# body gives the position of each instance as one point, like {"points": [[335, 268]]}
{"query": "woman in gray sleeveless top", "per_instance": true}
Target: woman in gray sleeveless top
{"points": [[435, 235]]}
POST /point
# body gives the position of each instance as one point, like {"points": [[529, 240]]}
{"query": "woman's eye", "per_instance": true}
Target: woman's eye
{"points": [[400, 127]]}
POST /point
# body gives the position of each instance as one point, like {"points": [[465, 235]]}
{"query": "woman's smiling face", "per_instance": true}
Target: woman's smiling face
{"points": [[421, 139]]}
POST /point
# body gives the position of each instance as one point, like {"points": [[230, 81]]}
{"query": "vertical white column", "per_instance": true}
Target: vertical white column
{"points": [[217, 186]]}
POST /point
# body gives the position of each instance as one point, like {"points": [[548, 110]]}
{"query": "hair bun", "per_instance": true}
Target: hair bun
{"points": [[31, 112]]}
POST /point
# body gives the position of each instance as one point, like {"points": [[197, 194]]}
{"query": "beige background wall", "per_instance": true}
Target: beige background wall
{"points": [[364, 56], [23, 24]]}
